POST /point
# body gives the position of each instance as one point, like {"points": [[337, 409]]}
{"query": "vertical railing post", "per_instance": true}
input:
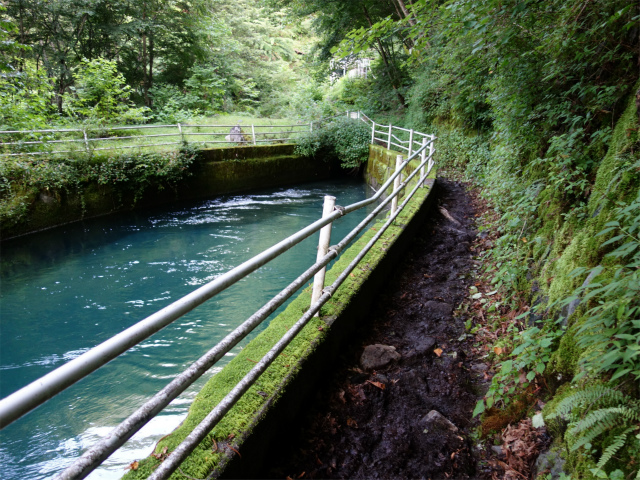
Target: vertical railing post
{"points": [[180, 131], [410, 142], [323, 248], [253, 133], [396, 184], [311, 127], [423, 157], [431, 150], [86, 140], [348, 114], [389, 141], [373, 132]]}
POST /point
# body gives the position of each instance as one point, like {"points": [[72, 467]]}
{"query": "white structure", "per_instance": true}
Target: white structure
{"points": [[350, 67]]}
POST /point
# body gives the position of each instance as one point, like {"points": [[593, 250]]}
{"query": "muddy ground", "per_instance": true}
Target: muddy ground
{"points": [[411, 418]]}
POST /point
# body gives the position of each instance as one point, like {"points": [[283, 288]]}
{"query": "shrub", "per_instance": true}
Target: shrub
{"points": [[344, 138]]}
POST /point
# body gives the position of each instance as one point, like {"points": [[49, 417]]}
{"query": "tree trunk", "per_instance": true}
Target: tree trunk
{"points": [[403, 7], [385, 59], [151, 55]]}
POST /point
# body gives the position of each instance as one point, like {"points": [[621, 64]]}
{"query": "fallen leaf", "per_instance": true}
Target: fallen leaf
{"points": [[352, 423], [352, 275], [497, 350], [133, 466], [320, 329], [438, 351], [380, 385]]}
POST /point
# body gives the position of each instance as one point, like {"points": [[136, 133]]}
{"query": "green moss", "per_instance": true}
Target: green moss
{"points": [[564, 361]]}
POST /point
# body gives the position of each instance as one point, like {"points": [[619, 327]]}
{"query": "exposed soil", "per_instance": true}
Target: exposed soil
{"points": [[378, 423]]}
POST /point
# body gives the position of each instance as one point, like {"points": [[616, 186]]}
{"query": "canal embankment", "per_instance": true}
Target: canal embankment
{"points": [[91, 188]]}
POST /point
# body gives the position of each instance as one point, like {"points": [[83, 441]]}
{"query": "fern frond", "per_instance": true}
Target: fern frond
{"points": [[609, 417], [589, 435], [597, 395], [617, 443]]}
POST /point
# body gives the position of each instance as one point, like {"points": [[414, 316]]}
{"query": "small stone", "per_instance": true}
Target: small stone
{"points": [[435, 421], [425, 345], [497, 449], [479, 367], [47, 199], [551, 462], [378, 356]]}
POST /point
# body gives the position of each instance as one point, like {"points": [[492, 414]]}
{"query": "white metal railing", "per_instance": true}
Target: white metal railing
{"points": [[88, 140], [82, 141], [29, 397]]}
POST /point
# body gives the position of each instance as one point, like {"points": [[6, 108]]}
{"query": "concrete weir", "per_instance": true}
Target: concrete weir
{"points": [[238, 446]]}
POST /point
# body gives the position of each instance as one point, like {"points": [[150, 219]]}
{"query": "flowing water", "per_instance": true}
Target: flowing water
{"points": [[66, 290]]}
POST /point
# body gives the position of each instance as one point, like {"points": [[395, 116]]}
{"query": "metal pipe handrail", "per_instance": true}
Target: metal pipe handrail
{"points": [[119, 435], [179, 454], [36, 393]]}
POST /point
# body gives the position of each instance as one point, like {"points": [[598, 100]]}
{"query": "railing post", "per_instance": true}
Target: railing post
{"points": [[410, 142], [373, 132], [323, 248], [431, 150], [253, 133], [180, 131], [423, 156], [396, 184], [389, 141], [86, 140], [311, 127], [348, 114]]}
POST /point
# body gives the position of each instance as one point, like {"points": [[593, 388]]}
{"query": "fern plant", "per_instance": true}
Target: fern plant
{"points": [[596, 410]]}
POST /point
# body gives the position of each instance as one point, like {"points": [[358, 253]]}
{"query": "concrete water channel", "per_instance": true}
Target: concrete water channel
{"points": [[67, 289]]}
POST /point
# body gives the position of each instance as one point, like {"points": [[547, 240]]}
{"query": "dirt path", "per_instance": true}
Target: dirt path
{"points": [[410, 418]]}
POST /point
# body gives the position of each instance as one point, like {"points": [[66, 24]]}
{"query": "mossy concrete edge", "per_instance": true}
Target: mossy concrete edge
{"points": [[268, 410], [214, 172]]}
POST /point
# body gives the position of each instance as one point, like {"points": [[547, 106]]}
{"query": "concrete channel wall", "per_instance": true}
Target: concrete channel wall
{"points": [[214, 172], [258, 424]]}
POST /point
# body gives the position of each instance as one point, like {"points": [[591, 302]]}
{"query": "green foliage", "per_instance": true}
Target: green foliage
{"points": [[601, 411], [25, 99], [342, 138], [528, 359], [610, 330], [101, 94], [22, 177]]}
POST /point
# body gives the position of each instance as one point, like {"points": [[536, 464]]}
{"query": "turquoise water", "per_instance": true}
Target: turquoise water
{"points": [[66, 290]]}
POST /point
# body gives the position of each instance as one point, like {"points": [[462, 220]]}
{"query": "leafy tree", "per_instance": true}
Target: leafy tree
{"points": [[101, 94]]}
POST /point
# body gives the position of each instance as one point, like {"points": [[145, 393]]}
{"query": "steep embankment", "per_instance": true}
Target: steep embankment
{"points": [[564, 326]]}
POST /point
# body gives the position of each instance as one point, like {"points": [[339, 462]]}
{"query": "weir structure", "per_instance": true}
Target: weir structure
{"points": [[415, 169]]}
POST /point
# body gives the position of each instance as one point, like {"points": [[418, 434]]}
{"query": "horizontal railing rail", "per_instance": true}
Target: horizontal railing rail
{"points": [[29, 397], [32, 143], [88, 140]]}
